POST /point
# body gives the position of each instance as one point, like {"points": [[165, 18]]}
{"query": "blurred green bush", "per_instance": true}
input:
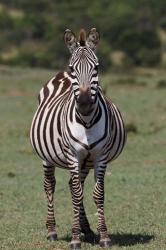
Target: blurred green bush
{"points": [[34, 30]]}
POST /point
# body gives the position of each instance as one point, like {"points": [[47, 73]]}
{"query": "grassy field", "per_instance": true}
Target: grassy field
{"points": [[135, 183]]}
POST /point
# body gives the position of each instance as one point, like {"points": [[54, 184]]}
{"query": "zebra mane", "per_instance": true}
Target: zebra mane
{"points": [[82, 37]]}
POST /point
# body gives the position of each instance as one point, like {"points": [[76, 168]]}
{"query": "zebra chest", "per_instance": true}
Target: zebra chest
{"points": [[84, 140]]}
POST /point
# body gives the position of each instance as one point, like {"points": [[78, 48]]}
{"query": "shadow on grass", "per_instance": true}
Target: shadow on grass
{"points": [[120, 239]]}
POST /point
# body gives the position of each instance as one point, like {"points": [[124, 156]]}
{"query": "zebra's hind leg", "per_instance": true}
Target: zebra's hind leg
{"points": [[98, 196], [49, 186], [89, 235]]}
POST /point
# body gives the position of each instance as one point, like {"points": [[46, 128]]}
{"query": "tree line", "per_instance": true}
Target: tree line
{"points": [[32, 30]]}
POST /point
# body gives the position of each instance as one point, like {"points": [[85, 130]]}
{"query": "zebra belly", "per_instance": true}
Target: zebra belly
{"points": [[49, 150], [45, 138]]}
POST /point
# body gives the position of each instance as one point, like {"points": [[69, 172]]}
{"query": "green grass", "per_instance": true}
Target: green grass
{"points": [[135, 183]]}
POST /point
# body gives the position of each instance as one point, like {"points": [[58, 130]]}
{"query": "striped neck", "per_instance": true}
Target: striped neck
{"points": [[88, 120]]}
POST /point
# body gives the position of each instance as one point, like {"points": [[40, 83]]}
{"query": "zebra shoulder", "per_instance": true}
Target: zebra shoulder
{"points": [[111, 106], [108, 102], [58, 84]]}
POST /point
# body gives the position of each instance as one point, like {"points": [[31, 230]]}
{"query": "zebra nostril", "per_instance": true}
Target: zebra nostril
{"points": [[84, 97], [83, 100]]}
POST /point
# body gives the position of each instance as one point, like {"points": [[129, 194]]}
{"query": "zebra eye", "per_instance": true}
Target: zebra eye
{"points": [[71, 68], [96, 67]]}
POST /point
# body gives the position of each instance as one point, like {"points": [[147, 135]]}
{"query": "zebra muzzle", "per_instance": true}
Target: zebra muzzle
{"points": [[84, 101]]}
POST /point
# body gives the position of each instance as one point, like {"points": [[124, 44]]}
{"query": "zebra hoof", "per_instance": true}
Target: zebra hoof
{"points": [[75, 245], [105, 243], [52, 237]]}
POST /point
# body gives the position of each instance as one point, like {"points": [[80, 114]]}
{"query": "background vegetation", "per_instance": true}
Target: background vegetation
{"points": [[132, 32]]}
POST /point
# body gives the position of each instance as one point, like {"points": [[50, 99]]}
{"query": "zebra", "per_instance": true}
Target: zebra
{"points": [[77, 128]]}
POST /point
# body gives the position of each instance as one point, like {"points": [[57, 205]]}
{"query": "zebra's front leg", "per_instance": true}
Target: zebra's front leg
{"points": [[98, 196], [84, 223], [77, 198], [49, 186]]}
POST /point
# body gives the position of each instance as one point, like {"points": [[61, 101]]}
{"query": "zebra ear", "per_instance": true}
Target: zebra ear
{"points": [[93, 39], [70, 40]]}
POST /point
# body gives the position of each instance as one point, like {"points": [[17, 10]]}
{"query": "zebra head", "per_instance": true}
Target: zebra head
{"points": [[83, 65]]}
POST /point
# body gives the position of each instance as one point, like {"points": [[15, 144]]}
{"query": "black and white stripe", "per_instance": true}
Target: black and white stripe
{"points": [[65, 138]]}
